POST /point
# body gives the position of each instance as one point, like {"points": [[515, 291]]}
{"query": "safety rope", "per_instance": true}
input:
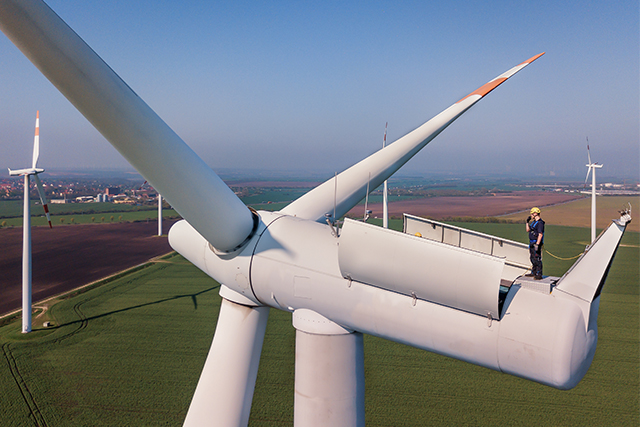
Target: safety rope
{"points": [[563, 259]]}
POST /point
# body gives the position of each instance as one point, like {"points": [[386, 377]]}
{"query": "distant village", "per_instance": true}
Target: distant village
{"points": [[65, 190], [93, 190], [135, 192]]}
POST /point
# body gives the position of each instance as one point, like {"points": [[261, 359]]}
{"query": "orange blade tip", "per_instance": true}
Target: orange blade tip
{"points": [[533, 58]]}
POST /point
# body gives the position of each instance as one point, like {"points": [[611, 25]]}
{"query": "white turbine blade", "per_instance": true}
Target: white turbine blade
{"points": [[384, 163], [129, 124], [36, 141], [228, 379], [588, 151], [43, 199], [587, 177]]}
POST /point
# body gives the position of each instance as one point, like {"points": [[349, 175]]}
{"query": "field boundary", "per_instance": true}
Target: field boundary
{"points": [[13, 315]]}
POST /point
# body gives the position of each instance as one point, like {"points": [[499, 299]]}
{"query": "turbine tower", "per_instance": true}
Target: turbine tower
{"points": [[159, 214], [338, 283], [159, 209], [592, 167], [385, 201], [26, 225]]}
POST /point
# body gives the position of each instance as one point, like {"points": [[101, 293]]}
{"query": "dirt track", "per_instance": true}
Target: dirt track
{"points": [[70, 256]]}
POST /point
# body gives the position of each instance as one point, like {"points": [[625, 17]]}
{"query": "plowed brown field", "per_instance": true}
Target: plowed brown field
{"points": [[495, 204], [66, 257]]}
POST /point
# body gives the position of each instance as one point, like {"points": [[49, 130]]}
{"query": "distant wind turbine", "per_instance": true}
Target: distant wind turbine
{"points": [[26, 224], [159, 210], [337, 283], [159, 214], [385, 209], [592, 167]]}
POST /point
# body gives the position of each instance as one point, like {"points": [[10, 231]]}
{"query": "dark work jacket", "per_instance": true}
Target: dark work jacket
{"points": [[536, 227]]}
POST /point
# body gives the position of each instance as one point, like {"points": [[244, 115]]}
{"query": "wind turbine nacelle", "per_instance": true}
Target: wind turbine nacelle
{"points": [[28, 171], [294, 264]]}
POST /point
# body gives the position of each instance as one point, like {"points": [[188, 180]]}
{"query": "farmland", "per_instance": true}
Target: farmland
{"points": [[68, 257], [129, 352], [470, 205], [578, 213], [79, 213]]}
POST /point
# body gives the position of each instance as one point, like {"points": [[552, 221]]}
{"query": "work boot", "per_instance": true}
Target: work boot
{"points": [[538, 277], [529, 274]]}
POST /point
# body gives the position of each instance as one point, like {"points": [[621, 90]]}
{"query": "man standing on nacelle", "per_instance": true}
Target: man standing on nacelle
{"points": [[536, 240]]}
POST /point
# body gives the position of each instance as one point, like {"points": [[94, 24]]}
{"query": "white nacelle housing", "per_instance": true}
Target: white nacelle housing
{"points": [[545, 337], [292, 264]]}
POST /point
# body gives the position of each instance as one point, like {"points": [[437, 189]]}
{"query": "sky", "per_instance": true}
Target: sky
{"points": [[308, 86]]}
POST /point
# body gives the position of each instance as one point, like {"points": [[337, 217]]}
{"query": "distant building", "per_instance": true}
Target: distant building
{"points": [[123, 199], [112, 191], [5, 188], [102, 198], [59, 201]]}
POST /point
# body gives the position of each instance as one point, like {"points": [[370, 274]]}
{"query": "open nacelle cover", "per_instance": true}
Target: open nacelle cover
{"points": [[516, 254], [425, 269]]}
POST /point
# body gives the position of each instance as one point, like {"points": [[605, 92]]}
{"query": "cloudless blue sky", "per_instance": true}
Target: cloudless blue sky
{"points": [[308, 86]]}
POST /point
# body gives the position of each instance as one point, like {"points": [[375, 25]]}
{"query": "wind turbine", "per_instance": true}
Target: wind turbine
{"points": [[367, 211], [433, 296], [159, 214], [159, 210], [592, 167], [26, 225], [385, 202]]}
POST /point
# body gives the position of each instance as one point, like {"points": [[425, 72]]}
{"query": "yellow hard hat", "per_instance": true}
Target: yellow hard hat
{"points": [[418, 234], [535, 210]]}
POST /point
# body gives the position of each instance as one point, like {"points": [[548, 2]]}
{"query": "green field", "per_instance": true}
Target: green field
{"points": [[129, 352], [13, 208], [84, 213], [79, 213], [265, 196], [92, 218]]}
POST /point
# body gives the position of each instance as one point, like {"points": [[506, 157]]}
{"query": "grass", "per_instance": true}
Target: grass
{"points": [[85, 213], [111, 358], [13, 208], [129, 352], [105, 218], [274, 195], [80, 213]]}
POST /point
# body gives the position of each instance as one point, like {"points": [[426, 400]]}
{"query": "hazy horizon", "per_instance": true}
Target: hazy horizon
{"points": [[297, 175]]}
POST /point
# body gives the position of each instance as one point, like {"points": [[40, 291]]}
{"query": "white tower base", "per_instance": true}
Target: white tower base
{"points": [[225, 389], [329, 379], [26, 260]]}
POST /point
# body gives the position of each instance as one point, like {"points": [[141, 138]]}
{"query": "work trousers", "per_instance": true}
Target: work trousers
{"points": [[536, 260]]}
